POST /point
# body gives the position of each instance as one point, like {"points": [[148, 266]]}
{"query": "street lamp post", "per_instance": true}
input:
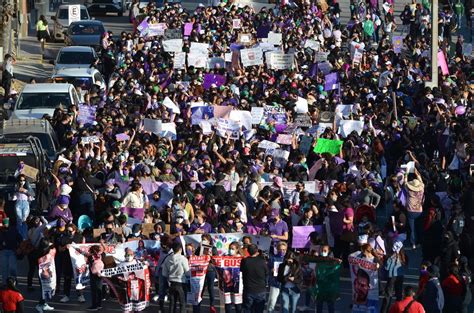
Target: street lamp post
{"points": [[434, 45]]}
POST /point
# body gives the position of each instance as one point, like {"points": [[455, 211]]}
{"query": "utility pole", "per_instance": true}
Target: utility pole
{"points": [[6, 26], [434, 45]]}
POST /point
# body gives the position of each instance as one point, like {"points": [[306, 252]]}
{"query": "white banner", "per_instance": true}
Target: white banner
{"points": [[179, 61], [198, 47], [280, 60], [173, 45], [47, 274], [198, 60]]}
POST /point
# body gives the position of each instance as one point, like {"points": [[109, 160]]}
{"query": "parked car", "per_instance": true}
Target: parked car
{"points": [[84, 33], [80, 77], [74, 57], [61, 20], [102, 7], [36, 100], [41, 129]]}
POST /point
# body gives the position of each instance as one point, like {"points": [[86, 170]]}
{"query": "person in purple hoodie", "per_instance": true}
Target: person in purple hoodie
{"points": [[61, 210], [200, 226]]}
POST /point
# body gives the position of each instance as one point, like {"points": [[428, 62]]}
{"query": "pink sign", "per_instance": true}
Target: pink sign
{"points": [[188, 28], [301, 234], [442, 63]]}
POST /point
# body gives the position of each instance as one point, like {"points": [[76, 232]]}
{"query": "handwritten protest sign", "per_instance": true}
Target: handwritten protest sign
{"points": [[275, 38], [122, 137], [244, 38], [321, 56], [173, 45], [213, 79], [312, 44], [173, 33], [86, 113], [156, 29], [397, 42], [151, 125], [328, 145], [90, 139], [168, 103], [302, 120], [198, 60], [280, 60], [265, 144], [348, 126], [199, 47], [236, 23], [257, 114], [179, 60], [284, 139]]}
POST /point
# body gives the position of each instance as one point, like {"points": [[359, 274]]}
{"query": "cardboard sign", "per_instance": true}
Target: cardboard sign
{"points": [[265, 144], [96, 232], [348, 126], [244, 38], [236, 23], [151, 125], [156, 30], [30, 171], [312, 44], [188, 28], [280, 60], [173, 45], [251, 57], [179, 60], [122, 137], [301, 105], [303, 120], [198, 60], [257, 114], [275, 39], [167, 102], [198, 47], [321, 56], [284, 139]]}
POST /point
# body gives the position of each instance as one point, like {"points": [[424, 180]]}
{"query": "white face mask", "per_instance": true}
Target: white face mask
{"points": [[233, 252], [324, 253], [129, 258], [179, 220]]}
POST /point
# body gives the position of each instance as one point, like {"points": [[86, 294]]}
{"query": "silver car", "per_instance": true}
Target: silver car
{"points": [[74, 57]]}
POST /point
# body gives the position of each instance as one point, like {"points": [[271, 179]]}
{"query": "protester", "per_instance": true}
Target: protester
{"points": [[254, 274], [408, 304], [11, 298], [10, 240], [291, 278], [176, 269], [275, 285]]}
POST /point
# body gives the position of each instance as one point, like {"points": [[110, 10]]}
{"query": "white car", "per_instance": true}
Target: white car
{"points": [[74, 57], [61, 20], [80, 77], [36, 100]]}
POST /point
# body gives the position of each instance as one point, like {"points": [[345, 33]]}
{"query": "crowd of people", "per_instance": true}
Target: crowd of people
{"points": [[401, 180]]}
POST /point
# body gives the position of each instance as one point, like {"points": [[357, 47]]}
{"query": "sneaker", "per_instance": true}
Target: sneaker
{"points": [[64, 299], [156, 298], [92, 308], [212, 309], [46, 307], [414, 247], [166, 299], [39, 308], [81, 299]]}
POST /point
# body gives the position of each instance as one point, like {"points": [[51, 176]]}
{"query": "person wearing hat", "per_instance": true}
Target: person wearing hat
{"points": [[432, 297], [10, 239], [112, 192], [61, 210], [415, 191], [277, 228]]}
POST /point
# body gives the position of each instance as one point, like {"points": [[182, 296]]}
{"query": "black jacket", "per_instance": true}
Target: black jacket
{"points": [[295, 272]]}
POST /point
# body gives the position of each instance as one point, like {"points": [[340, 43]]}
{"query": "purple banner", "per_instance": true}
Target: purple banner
{"points": [[331, 81], [86, 114], [188, 28], [210, 79], [135, 213], [301, 234]]}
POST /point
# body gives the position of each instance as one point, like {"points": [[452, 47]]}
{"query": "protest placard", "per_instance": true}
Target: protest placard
{"points": [[90, 139], [326, 117], [151, 125], [344, 110], [280, 60], [284, 139], [303, 120], [257, 114], [301, 105], [357, 57], [266, 144], [275, 39], [242, 117], [467, 49], [321, 56], [251, 57], [173, 45], [30, 171], [188, 28], [244, 38], [328, 145], [122, 137], [198, 60], [442, 63], [312, 44], [331, 80], [179, 60], [167, 102], [199, 47], [348, 126], [229, 128], [397, 42], [47, 274], [143, 27], [202, 112], [213, 79], [206, 127], [86, 114], [198, 269], [168, 130], [173, 33], [364, 273], [156, 29], [236, 23], [301, 235]]}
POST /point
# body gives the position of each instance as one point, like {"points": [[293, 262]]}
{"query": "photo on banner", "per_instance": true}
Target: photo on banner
{"points": [[47, 274], [230, 279], [198, 267], [365, 284]]}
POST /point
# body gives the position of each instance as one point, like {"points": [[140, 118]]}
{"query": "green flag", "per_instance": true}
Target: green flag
{"points": [[328, 145], [326, 287]]}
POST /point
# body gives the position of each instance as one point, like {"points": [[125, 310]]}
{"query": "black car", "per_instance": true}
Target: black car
{"points": [[84, 33], [102, 7]]}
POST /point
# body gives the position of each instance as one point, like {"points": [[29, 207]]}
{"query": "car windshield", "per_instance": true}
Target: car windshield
{"points": [[76, 58], [63, 14], [81, 29], [43, 100], [84, 83]]}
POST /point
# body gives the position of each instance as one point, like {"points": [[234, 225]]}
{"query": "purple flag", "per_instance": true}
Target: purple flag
{"points": [[331, 81], [135, 213], [301, 234], [314, 70], [210, 79], [143, 25], [188, 28]]}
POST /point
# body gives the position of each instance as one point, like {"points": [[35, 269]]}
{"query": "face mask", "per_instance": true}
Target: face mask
{"points": [[168, 171], [196, 221], [203, 148], [22, 183], [423, 272], [129, 258], [179, 220], [189, 252], [281, 253], [230, 222], [324, 253], [233, 252]]}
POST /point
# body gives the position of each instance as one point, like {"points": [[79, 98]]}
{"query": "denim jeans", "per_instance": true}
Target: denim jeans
{"points": [[254, 302], [272, 299], [163, 289], [290, 297], [22, 208], [319, 306], [412, 216], [8, 261]]}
